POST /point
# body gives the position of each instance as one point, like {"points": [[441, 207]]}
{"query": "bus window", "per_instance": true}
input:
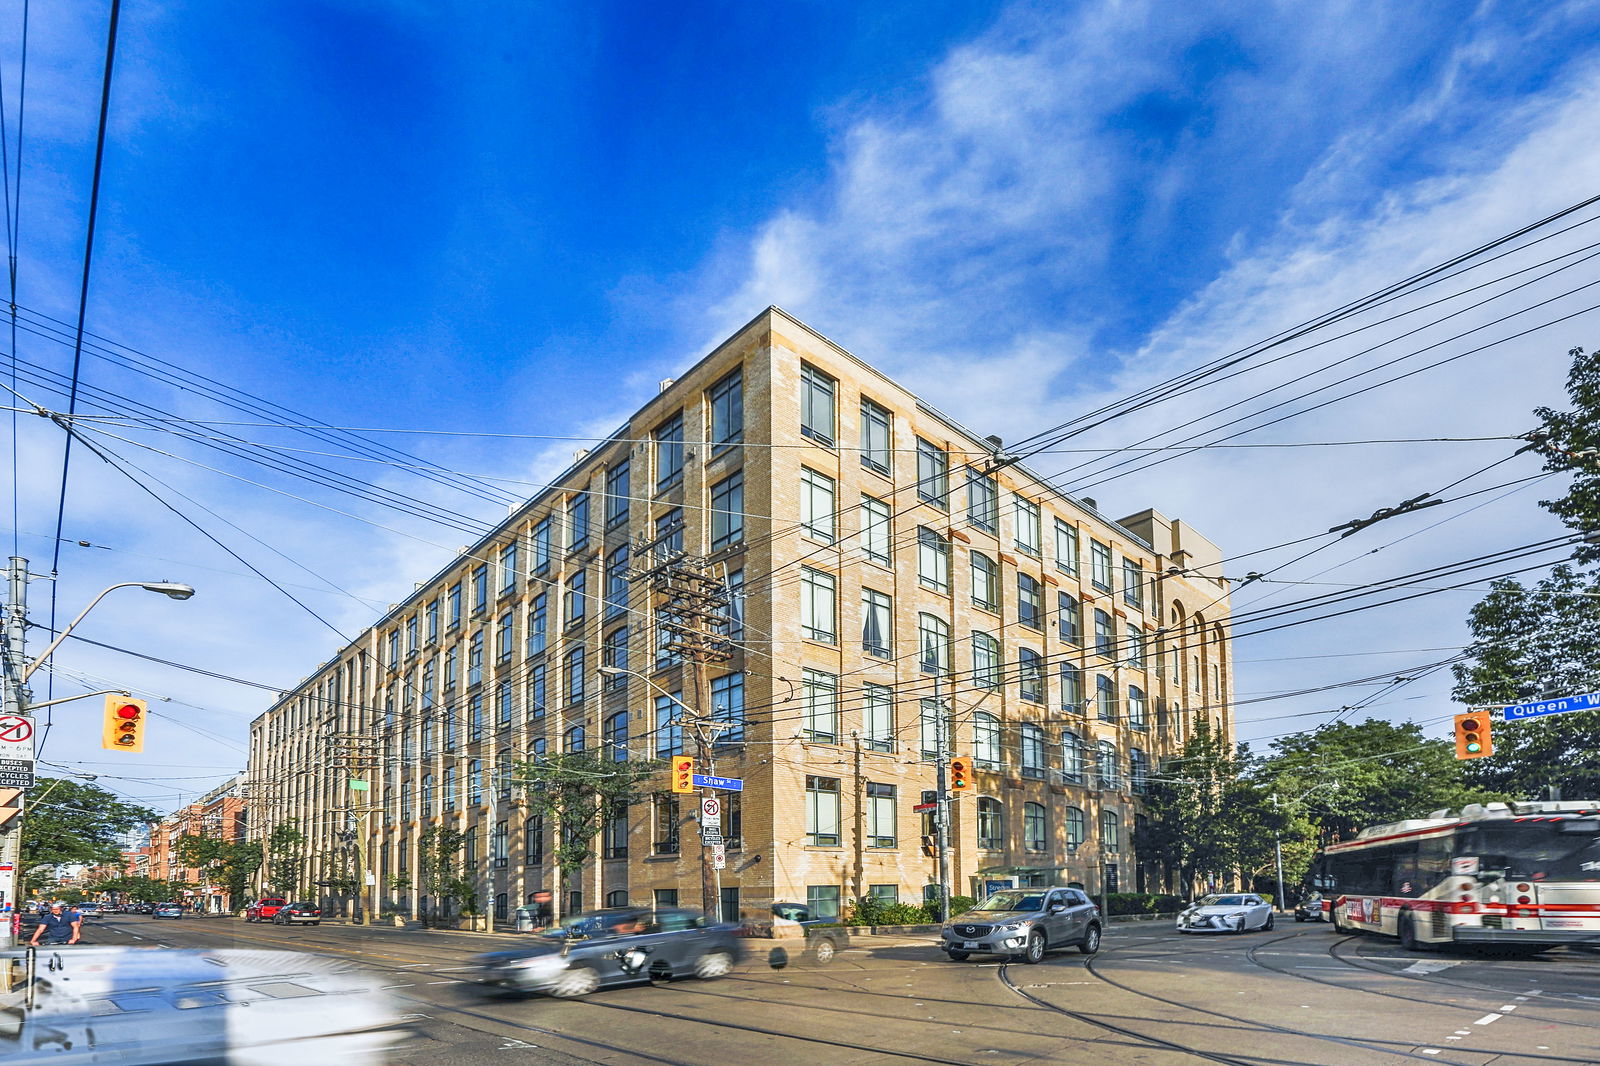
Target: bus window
{"points": [[1541, 851]]}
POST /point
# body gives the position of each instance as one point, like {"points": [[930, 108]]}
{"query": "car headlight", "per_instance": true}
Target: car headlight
{"points": [[1236, 914], [1014, 927], [540, 965]]}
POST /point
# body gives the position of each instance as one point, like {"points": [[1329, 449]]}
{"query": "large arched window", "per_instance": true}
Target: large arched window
{"points": [[986, 740], [616, 736], [991, 824], [1110, 831], [1030, 675], [1071, 688], [1032, 750], [574, 739], [985, 582], [1033, 826], [1072, 756], [1107, 765], [1138, 770], [1077, 828], [427, 795]]}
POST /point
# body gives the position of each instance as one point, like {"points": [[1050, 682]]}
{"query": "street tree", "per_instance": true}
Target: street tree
{"points": [[1186, 825], [439, 861], [142, 889], [1570, 443], [285, 858], [73, 822], [229, 863]]}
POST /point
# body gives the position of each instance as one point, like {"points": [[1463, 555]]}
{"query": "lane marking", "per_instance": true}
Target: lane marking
{"points": [[1509, 1007], [1486, 1019]]}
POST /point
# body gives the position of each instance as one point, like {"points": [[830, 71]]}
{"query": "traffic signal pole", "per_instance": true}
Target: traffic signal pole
{"points": [[15, 703], [941, 799]]}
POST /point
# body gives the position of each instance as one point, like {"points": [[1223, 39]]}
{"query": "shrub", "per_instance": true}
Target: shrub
{"points": [[1143, 903]]}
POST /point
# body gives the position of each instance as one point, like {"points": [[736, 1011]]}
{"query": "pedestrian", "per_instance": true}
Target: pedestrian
{"points": [[61, 922]]}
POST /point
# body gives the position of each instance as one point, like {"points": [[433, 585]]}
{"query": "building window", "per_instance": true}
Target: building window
{"points": [[452, 658], [732, 625], [877, 624], [876, 530], [453, 602], [983, 500], [727, 708], [928, 728], [1033, 760], [933, 644], [538, 624], [1100, 566], [1134, 655], [1137, 709], [475, 659], [985, 661], [1071, 688], [666, 897], [1105, 635], [726, 402], [1106, 765], [666, 824], [1077, 827], [985, 582], [1105, 698], [475, 783], [733, 820], [617, 582], [991, 824], [1138, 771], [533, 840], [820, 693], [543, 547], [668, 439], [933, 475], [411, 635], [1030, 674], [1029, 536], [666, 639], [669, 726], [1132, 584], [574, 676], [1030, 602], [1069, 618], [875, 436], [823, 901], [537, 694], [880, 816], [1033, 826], [508, 569], [817, 605], [577, 599], [618, 491], [933, 560], [475, 717], [502, 704], [505, 644], [614, 653], [817, 392], [817, 504], [574, 740], [1110, 831], [727, 511], [877, 716], [427, 795], [1072, 757], [394, 650], [822, 811], [480, 588], [986, 741], [578, 522], [447, 790], [614, 838]]}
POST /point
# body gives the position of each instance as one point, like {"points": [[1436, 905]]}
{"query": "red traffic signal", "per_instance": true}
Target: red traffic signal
{"points": [[122, 727], [682, 773]]}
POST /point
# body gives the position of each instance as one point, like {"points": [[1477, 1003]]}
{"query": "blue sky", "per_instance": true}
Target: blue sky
{"points": [[510, 217]]}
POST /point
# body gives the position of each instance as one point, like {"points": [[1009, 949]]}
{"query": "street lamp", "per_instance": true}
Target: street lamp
{"points": [[167, 588]]}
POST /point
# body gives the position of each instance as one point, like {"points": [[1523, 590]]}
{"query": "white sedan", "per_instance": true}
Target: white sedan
{"points": [[1236, 913]]}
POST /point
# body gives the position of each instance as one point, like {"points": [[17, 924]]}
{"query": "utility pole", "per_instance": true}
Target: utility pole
{"points": [[690, 604], [15, 704], [357, 755], [941, 798]]}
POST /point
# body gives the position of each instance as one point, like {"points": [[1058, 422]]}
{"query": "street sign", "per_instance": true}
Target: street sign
{"points": [[16, 737], [16, 773], [728, 784], [711, 836], [1589, 701], [924, 808], [359, 786], [719, 858], [710, 810]]}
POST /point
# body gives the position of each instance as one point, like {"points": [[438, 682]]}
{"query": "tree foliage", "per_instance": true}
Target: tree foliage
{"points": [[74, 821], [229, 863], [143, 889], [1570, 441], [439, 859], [581, 790], [285, 858]]}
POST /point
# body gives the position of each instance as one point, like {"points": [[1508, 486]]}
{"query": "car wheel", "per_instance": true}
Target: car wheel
{"points": [[1091, 940], [1406, 926], [824, 951], [957, 955], [1267, 927], [319, 922], [1035, 950], [713, 964], [1299, 917], [575, 981]]}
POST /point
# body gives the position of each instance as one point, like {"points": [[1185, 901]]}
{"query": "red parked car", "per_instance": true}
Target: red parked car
{"points": [[264, 909]]}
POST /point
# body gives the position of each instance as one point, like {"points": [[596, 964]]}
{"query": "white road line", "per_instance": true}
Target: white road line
{"points": [[1509, 1007], [1430, 1051], [1486, 1019]]}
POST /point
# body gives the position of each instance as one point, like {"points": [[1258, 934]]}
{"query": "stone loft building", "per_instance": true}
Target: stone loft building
{"points": [[881, 564]]}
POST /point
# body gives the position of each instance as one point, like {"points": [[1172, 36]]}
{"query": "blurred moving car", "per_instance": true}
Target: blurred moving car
{"points": [[261, 910], [823, 940], [610, 947], [1237, 912], [296, 913], [167, 910], [136, 1007], [89, 910], [1310, 908], [1024, 922]]}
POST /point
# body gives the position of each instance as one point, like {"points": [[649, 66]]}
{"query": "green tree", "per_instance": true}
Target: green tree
{"points": [[285, 855], [1570, 442], [73, 821], [229, 863], [1186, 827], [142, 889], [439, 860]]}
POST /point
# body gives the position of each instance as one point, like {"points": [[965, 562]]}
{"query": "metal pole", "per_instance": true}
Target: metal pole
{"points": [[13, 679], [1277, 848], [941, 818]]}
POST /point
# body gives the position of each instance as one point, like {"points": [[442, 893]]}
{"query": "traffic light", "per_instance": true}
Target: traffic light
{"points": [[930, 846], [1472, 735], [123, 728], [682, 773], [960, 774]]}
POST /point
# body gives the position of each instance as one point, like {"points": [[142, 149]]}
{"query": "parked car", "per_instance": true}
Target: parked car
{"points": [[1310, 909], [143, 907], [167, 910], [822, 939], [610, 947], [262, 910], [1025, 923], [89, 910], [1237, 912], [295, 913]]}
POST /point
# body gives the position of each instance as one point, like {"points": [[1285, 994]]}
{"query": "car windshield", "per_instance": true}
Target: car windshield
{"points": [[598, 923], [1539, 851], [1012, 901], [1225, 901]]}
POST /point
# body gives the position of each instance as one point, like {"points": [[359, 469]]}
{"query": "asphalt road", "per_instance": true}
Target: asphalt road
{"points": [[1300, 994]]}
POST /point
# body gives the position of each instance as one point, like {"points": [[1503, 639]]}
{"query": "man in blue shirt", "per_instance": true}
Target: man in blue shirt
{"points": [[60, 922]]}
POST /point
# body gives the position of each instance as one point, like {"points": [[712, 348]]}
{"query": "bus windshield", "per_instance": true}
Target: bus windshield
{"points": [[1538, 852]]}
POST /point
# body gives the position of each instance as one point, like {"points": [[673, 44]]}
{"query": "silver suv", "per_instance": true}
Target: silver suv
{"points": [[1024, 923]]}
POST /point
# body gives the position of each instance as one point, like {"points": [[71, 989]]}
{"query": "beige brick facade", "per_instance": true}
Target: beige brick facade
{"points": [[835, 694]]}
